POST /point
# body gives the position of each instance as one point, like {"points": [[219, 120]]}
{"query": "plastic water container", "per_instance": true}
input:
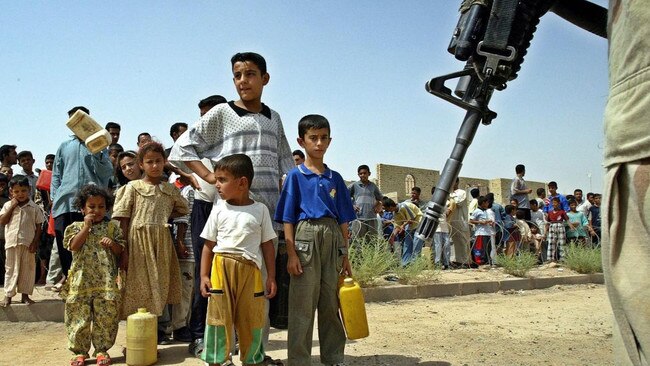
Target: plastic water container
{"points": [[89, 131], [353, 310], [141, 338]]}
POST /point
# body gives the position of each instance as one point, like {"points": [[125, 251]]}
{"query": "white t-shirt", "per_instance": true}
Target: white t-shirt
{"points": [[239, 229]]}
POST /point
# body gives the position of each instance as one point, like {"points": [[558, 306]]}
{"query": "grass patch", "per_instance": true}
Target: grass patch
{"points": [[518, 265], [419, 271], [583, 259], [370, 260]]}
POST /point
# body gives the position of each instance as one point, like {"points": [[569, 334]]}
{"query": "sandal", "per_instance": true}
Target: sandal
{"points": [[78, 360], [270, 361], [103, 359]]}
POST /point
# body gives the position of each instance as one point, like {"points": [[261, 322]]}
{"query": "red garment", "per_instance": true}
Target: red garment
{"points": [[557, 216]]}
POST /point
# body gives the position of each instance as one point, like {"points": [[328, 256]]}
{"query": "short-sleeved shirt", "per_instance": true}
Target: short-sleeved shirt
{"points": [[21, 228], [557, 216], [481, 229], [594, 213], [519, 184], [580, 219], [239, 230], [365, 197], [563, 203], [307, 195], [406, 211], [228, 129]]}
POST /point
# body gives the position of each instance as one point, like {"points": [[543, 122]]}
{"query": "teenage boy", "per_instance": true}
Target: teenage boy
{"points": [[519, 191], [114, 130], [594, 220], [482, 230], [26, 162], [315, 209], [239, 236], [553, 193], [406, 219], [234, 127], [367, 203]]}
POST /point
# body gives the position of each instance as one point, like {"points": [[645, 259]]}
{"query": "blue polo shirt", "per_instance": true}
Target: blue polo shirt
{"points": [[306, 195]]}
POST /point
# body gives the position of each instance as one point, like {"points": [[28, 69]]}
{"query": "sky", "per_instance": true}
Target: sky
{"points": [[362, 64]]}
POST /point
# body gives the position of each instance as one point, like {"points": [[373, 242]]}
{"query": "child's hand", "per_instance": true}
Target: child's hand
{"points": [[181, 250], [293, 265], [89, 219], [271, 288], [32, 247], [106, 242], [124, 261], [206, 286]]}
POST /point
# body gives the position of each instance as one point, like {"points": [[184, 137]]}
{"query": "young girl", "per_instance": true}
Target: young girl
{"points": [[143, 208], [556, 238], [127, 168], [90, 293]]}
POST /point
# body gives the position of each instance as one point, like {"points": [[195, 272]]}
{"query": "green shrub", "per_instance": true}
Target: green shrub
{"points": [[583, 259], [518, 265], [370, 260], [419, 271]]}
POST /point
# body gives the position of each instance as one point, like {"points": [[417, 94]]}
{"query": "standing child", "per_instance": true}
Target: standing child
{"points": [[556, 236], [315, 208], [91, 295], [578, 233], [22, 219], [143, 208], [594, 220], [512, 235], [441, 238], [406, 218], [240, 232], [482, 230]]}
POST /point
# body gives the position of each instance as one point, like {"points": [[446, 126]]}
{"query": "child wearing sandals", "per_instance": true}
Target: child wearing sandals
{"points": [[91, 294]]}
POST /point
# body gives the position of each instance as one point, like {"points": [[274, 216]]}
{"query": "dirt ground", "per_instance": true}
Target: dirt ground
{"points": [[562, 325]]}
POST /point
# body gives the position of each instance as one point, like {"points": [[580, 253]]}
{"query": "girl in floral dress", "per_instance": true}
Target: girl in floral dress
{"points": [[143, 208], [90, 293]]}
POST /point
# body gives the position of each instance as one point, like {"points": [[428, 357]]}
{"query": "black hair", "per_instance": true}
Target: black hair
{"points": [[388, 202], [552, 184], [121, 179], [299, 153], [572, 200], [417, 189], [150, 146], [554, 199], [490, 198], [19, 180], [520, 168], [175, 127], [142, 134], [253, 57], [540, 191], [315, 121], [90, 190], [117, 147], [481, 200], [474, 192], [79, 107], [597, 195], [50, 156], [569, 197], [5, 149], [363, 166], [4, 178], [520, 215], [534, 202], [239, 165], [509, 208], [577, 190], [211, 101], [112, 125], [24, 153], [590, 194]]}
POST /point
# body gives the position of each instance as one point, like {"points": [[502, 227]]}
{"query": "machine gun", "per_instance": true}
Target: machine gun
{"points": [[492, 37]]}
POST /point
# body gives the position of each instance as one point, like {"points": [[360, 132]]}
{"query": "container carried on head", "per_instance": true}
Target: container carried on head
{"points": [[89, 131], [353, 309], [141, 338]]}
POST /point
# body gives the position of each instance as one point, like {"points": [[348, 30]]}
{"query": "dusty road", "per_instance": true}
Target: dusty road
{"points": [[563, 325]]}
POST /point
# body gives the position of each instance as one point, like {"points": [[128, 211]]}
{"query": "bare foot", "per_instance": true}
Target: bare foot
{"points": [[26, 300], [6, 302]]}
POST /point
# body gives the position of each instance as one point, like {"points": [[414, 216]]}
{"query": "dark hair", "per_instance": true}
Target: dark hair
{"points": [[520, 215], [19, 180], [24, 153], [50, 156], [118, 169], [253, 57], [552, 184], [151, 146], [5, 149], [481, 200], [387, 202], [540, 191], [117, 147], [112, 125], [520, 168], [474, 192], [142, 134], [510, 208], [90, 190], [299, 153], [239, 165], [556, 199], [417, 189], [433, 189], [534, 202], [590, 194], [175, 127], [572, 200], [363, 166], [569, 197], [597, 195], [211, 101], [315, 121], [74, 109], [490, 197], [4, 178], [577, 190]]}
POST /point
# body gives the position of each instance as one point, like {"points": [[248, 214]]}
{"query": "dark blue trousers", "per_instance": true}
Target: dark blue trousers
{"points": [[199, 216]]}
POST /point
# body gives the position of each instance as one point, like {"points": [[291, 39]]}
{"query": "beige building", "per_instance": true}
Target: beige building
{"points": [[396, 182]]}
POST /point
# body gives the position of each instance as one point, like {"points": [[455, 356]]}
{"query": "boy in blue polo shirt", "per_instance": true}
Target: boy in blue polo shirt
{"points": [[315, 208]]}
